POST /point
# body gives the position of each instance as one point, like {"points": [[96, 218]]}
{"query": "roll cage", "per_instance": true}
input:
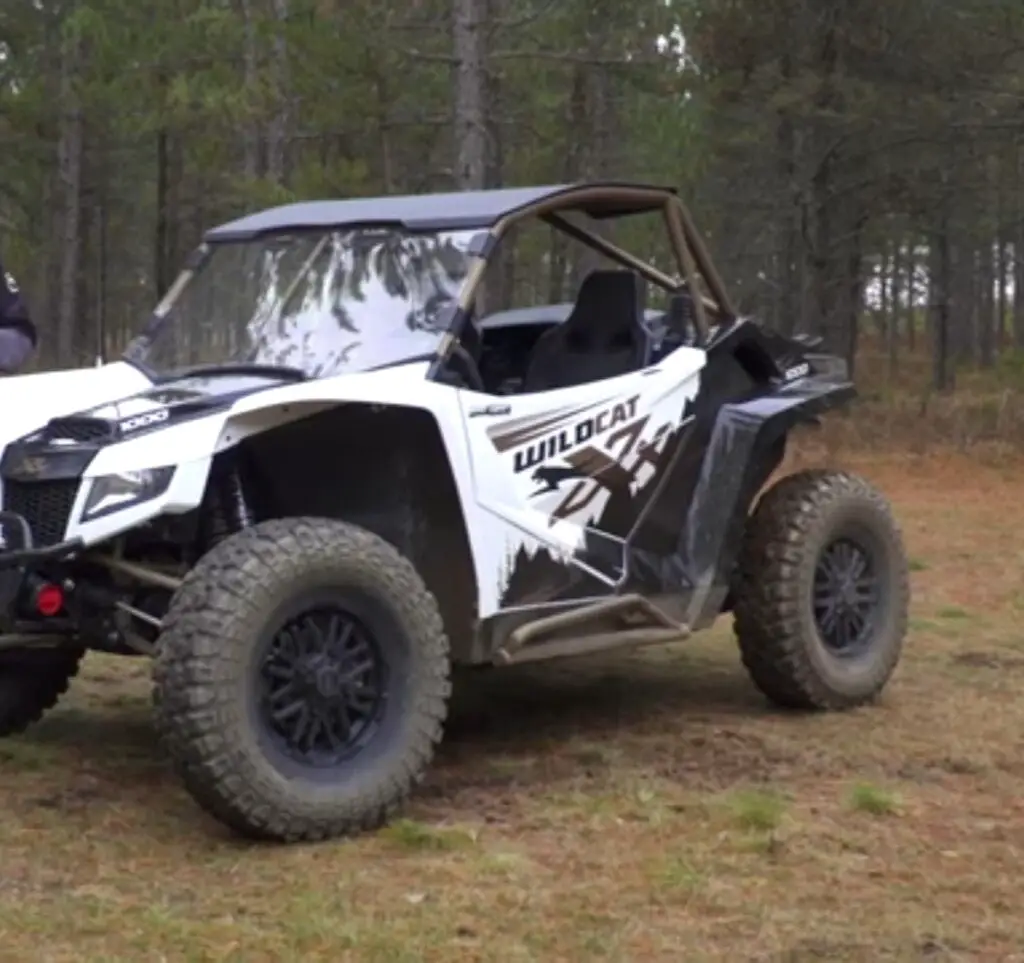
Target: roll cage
{"points": [[697, 272]]}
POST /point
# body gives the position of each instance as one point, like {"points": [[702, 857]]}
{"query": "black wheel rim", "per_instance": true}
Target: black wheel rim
{"points": [[324, 685], [847, 596]]}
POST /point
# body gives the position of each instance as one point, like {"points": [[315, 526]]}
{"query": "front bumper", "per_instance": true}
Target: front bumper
{"points": [[18, 550], [19, 558]]}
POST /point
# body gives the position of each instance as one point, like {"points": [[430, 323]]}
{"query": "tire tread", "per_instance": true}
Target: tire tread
{"points": [[28, 693]]}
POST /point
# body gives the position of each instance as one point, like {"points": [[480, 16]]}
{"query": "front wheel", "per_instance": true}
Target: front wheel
{"points": [[302, 680], [822, 592]]}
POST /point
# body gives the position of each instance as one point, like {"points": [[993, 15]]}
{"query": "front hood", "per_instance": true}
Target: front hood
{"points": [[29, 401], [161, 405]]}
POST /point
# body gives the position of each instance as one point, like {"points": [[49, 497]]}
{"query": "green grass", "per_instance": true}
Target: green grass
{"points": [[874, 800], [416, 836], [757, 811]]}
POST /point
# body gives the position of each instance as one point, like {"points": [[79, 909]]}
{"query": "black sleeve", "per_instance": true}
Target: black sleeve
{"points": [[13, 310]]}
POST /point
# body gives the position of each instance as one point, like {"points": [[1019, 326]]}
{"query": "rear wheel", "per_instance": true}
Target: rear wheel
{"points": [[822, 595], [302, 680], [31, 682]]}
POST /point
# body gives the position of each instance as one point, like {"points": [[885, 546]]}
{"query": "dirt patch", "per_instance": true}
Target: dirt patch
{"points": [[635, 808]]}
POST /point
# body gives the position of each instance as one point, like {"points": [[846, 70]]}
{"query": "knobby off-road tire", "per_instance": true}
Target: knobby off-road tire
{"points": [[787, 619], [31, 682], [236, 647]]}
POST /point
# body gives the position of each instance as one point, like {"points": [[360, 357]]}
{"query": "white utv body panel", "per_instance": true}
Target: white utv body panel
{"points": [[191, 445], [624, 422], [499, 504], [29, 401]]}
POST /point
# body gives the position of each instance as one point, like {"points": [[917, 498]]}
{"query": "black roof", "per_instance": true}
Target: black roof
{"points": [[458, 210]]}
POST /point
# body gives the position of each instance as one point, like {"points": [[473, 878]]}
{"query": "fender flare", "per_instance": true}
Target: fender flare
{"points": [[747, 444]]}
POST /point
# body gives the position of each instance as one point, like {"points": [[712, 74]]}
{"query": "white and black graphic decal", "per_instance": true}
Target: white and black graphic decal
{"points": [[586, 470], [583, 455], [145, 420]]}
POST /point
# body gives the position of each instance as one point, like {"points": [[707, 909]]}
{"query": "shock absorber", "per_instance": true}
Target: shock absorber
{"points": [[236, 508], [226, 509]]}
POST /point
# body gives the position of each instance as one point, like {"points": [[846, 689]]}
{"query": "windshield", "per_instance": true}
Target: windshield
{"points": [[325, 302]]}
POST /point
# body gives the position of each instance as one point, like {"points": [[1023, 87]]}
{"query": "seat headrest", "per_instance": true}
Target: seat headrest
{"points": [[617, 292], [608, 308]]}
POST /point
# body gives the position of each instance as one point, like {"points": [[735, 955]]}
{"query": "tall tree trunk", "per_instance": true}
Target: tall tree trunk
{"points": [[100, 217], [70, 150], [960, 296], [469, 21], [943, 374], [986, 306], [575, 116], [1018, 256], [897, 295], [912, 292], [1002, 255], [384, 131], [278, 130], [883, 317], [601, 149], [161, 273], [251, 80], [827, 262], [1018, 291], [853, 292], [786, 275]]}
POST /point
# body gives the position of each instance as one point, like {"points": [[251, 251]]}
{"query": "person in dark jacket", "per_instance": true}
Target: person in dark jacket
{"points": [[17, 332]]}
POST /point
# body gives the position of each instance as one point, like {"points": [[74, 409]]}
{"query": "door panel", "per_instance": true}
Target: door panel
{"points": [[564, 468]]}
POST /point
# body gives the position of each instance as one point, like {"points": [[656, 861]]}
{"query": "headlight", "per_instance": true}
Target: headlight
{"points": [[829, 367], [111, 493]]}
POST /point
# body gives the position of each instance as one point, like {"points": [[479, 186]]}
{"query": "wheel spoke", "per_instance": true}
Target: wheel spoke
{"points": [[317, 638], [352, 641], [866, 588], [279, 670], [339, 715], [828, 619], [824, 590], [299, 727], [307, 632], [332, 737], [858, 622], [357, 671], [843, 630], [347, 631], [283, 692], [279, 647], [290, 710], [842, 556], [315, 725], [362, 699]]}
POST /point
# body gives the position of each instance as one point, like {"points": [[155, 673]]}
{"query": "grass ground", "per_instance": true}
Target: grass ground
{"points": [[640, 807]]}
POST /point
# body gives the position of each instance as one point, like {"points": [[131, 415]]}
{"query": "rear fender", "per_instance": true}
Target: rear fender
{"points": [[746, 445]]}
